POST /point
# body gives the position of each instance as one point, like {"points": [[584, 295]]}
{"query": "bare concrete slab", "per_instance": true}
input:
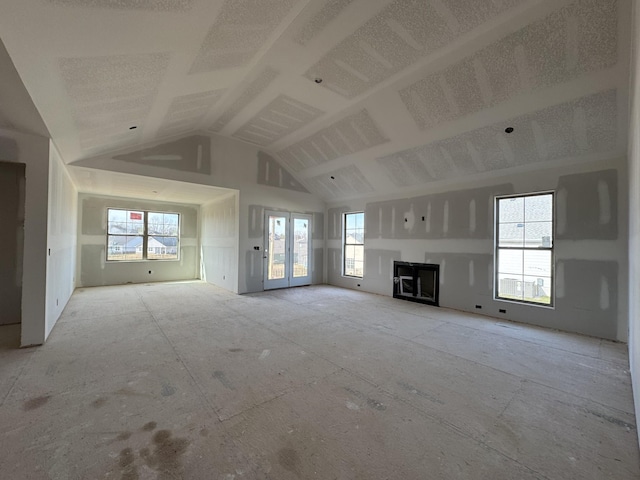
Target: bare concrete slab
{"points": [[185, 380]]}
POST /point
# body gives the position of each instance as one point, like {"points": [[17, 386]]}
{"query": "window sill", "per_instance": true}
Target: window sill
{"points": [[525, 303]]}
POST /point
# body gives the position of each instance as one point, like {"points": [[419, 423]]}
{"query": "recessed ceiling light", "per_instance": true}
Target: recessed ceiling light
{"points": [[318, 80], [133, 127], [508, 129]]}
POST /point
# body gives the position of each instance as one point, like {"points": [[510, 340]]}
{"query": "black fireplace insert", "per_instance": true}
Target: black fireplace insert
{"points": [[416, 282]]}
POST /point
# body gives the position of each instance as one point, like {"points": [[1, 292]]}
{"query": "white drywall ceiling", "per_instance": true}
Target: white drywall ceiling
{"points": [[116, 184], [413, 92]]}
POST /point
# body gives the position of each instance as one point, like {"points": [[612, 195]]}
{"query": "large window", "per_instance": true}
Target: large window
{"points": [[142, 235], [524, 248], [353, 247]]}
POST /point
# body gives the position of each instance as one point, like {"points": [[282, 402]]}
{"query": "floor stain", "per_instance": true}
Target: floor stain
{"points": [[613, 420], [222, 378], [123, 436], [264, 354], [166, 457], [98, 402], [127, 391], [204, 432], [289, 460], [376, 404], [34, 403], [234, 350], [149, 426], [415, 391], [372, 403], [129, 471], [167, 390]]}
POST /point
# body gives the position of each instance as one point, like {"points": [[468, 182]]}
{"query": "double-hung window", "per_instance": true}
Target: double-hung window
{"points": [[142, 235], [353, 244], [524, 248]]}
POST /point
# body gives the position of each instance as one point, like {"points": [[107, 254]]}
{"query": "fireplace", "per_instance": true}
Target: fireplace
{"points": [[416, 282]]}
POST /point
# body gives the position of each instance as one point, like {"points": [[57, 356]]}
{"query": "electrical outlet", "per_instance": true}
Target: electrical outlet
{"points": [[478, 306], [502, 310]]}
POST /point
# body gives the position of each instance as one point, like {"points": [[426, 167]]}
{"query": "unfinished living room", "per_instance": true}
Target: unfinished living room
{"points": [[332, 239]]}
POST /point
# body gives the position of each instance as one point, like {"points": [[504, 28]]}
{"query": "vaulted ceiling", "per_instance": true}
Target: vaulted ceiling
{"points": [[354, 97]]}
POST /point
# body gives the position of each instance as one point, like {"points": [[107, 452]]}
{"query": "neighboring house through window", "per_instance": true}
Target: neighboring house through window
{"points": [[353, 244], [142, 235], [524, 248]]}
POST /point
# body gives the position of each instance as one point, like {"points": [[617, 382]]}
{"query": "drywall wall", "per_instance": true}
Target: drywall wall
{"points": [[33, 151], [12, 182], [454, 229], [262, 183], [634, 215], [93, 268], [62, 239], [219, 242]]}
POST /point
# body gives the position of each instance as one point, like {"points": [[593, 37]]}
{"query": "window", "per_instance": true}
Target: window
{"points": [[353, 247], [141, 235], [524, 248]]}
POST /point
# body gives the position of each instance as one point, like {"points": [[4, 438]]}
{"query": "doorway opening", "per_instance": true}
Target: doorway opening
{"points": [[12, 198], [287, 250]]}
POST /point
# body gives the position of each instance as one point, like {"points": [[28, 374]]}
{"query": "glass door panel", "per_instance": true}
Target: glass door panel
{"points": [[276, 250], [287, 250], [301, 249]]}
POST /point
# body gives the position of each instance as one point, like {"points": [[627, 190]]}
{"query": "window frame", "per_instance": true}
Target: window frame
{"points": [[524, 248], [345, 244], [144, 246]]}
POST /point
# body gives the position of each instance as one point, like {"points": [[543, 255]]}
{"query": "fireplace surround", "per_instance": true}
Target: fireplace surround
{"points": [[416, 282]]}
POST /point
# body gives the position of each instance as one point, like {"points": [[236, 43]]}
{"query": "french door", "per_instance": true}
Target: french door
{"points": [[287, 249]]}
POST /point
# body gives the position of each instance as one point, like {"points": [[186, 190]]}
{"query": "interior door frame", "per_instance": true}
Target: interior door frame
{"points": [[289, 279]]}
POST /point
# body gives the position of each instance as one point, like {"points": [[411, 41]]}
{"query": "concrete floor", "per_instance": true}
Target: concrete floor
{"points": [[185, 380]]}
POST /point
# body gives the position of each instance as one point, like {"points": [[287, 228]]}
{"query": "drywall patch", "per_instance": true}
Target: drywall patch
{"points": [[397, 37], [590, 302], [256, 221], [154, 5], [344, 182], [282, 116], [9, 150], [317, 276], [94, 216], [352, 134], [465, 278], [470, 214], [334, 219], [255, 88], [540, 136], [317, 232], [320, 20], [379, 268], [92, 261], [527, 59], [108, 94], [240, 30], [589, 206], [189, 154], [271, 173], [334, 264], [253, 272], [187, 111]]}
